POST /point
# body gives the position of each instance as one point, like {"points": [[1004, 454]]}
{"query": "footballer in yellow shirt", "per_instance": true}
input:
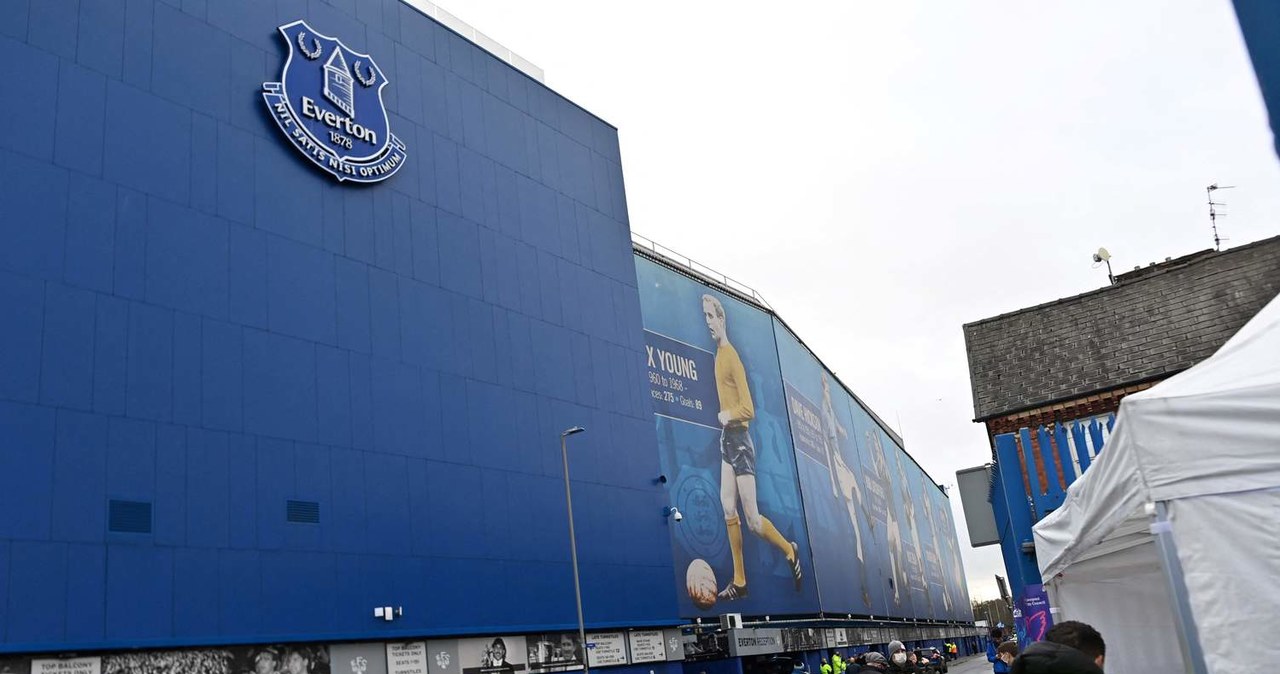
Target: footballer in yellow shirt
{"points": [[738, 456]]}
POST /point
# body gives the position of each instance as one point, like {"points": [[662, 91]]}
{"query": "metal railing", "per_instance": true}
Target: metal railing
{"points": [[745, 291], [480, 39]]}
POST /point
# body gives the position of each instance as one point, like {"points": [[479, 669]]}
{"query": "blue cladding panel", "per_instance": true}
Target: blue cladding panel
{"points": [[150, 387], [186, 52], [169, 512], [300, 291], [278, 172], [52, 26], [333, 396], [86, 592], [131, 459], [195, 594], [387, 503], [133, 114], [352, 290], [4, 583], [36, 582], [384, 306], [397, 407], [235, 175], [129, 274], [199, 320], [111, 336], [222, 363], [242, 469], [348, 523], [80, 478], [239, 594], [207, 489], [289, 597], [33, 229], [279, 386], [35, 73], [139, 592], [186, 260], [22, 304], [137, 42], [101, 43], [248, 277], [79, 127], [91, 210], [26, 470]]}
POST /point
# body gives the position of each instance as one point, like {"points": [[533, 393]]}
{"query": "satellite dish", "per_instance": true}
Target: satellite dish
{"points": [[1102, 255]]}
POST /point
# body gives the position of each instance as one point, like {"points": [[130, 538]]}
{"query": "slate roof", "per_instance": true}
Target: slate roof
{"points": [[1152, 323]]}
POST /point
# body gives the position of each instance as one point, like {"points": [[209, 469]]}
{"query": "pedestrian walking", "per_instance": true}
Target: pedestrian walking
{"points": [[994, 638]]}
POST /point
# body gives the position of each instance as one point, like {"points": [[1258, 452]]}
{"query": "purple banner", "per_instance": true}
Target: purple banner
{"points": [[1035, 614]]}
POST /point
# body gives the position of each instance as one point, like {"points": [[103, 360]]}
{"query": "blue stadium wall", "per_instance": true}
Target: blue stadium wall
{"points": [[198, 321]]}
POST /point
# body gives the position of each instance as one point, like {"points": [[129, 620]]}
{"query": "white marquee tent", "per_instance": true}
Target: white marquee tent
{"points": [[1170, 543]]}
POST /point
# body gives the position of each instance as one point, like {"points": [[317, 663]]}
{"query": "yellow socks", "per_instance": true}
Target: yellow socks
{"points": [[771, 534], [735, 546]]}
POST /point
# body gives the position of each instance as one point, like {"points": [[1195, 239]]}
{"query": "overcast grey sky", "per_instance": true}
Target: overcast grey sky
{"points": [[883, 172]]}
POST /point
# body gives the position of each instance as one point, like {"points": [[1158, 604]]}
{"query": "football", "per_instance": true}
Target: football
{"points": [[700, 581]]}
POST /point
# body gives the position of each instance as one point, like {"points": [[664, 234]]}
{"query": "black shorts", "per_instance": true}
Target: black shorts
{"points": [[737, 450]]}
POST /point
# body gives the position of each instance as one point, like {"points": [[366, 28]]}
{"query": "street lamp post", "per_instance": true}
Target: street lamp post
{"points": [[573, 543]]}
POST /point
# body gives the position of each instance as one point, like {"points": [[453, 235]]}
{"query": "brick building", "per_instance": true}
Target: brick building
{"points": [[1048, 379]]}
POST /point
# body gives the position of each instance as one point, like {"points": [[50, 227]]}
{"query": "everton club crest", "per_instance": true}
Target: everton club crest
{"points": [[328, 102]]}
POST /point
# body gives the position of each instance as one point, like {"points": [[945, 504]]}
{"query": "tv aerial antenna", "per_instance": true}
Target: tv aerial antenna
{"points": [[1103, 256], [1214, 214]]}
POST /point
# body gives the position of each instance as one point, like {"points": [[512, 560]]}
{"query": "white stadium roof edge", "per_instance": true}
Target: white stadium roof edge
{"points": [[481, 40]]}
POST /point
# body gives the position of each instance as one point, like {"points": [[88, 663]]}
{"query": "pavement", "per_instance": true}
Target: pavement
{"points": [[973, 664]]}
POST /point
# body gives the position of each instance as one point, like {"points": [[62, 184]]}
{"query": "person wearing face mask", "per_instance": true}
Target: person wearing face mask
{"points": [[899, 661], [1007, 652]]}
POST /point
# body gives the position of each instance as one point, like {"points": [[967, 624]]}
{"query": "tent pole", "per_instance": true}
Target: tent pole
{"points": [[1188, 636]]}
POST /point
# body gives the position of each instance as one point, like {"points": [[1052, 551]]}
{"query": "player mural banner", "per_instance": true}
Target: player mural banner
{"points": [[725, 446], [848, 540], [881, 543]]}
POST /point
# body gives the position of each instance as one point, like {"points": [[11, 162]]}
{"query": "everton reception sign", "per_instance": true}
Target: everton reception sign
{"points": [[328, 102]]}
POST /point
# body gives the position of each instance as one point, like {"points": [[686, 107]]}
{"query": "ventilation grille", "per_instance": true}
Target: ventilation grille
{"points": [[129, 517], [302, 512]]}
